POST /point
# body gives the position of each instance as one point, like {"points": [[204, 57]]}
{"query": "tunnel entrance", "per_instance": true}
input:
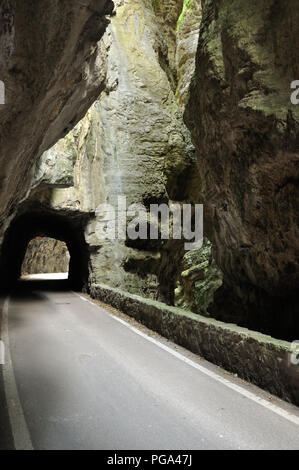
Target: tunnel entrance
{"points": [[46, 255], [23, 248]]}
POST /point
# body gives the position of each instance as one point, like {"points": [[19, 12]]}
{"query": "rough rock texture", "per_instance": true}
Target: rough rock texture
{"points": [[46, 255], [132, 142], [145, 148], [246, 133], [187, 33], [199, 280], [52, 71], [167, 14]]}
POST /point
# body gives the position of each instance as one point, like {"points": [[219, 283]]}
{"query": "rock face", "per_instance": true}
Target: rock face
{"points": [[46, 255], [187, 33], [146, 148], [132, 142], [246, 133], [52, 71], [199, 280]]}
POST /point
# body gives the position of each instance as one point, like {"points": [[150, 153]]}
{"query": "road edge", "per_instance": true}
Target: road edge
{"points": [[20, 432]]}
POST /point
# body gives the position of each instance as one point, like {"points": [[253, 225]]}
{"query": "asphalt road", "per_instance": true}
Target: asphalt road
{"points": [[76, 377]]}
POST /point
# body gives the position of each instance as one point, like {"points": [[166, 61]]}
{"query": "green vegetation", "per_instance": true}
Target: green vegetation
{"points": [[186, 9], [155, 5]]}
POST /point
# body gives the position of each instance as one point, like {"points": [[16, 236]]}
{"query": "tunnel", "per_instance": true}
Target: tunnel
{"points": [[40, 223]]}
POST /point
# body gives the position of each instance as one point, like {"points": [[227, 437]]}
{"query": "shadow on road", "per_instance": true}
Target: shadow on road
{"points": [[52, 285], [29, 289]]}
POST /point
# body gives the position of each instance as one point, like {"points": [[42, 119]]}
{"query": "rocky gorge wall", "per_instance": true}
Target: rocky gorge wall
{"points": [[133, 143], [246, 132], [229, 141], [52, 71]]}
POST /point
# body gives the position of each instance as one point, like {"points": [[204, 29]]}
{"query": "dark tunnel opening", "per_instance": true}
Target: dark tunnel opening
{"points": [[37, 223]]}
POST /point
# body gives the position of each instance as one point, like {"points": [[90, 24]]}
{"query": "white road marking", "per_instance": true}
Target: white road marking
{"points": [[19, 427], [246, 393], [21, 436]]}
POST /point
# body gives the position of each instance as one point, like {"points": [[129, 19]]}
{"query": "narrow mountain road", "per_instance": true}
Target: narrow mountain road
{"points": [[77, 377]]}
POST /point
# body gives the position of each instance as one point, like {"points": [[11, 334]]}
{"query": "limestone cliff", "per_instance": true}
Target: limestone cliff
{"points": [[241, 162], [246, 133], [132, 142], [199, 280], [52, 72]]}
